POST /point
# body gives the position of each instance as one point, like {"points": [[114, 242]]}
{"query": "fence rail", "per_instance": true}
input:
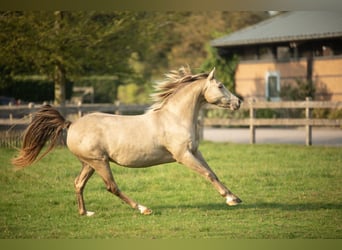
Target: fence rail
{"points": [[22, 115]]}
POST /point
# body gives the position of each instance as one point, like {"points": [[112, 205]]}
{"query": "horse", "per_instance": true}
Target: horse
{"points": [[166, 132]]}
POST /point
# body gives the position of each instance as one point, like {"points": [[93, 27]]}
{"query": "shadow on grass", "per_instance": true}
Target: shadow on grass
{"points": [[292, 207], [254, 206]]}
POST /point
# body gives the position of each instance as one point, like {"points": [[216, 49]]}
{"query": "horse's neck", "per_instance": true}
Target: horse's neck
{"points": [[186, 104]]}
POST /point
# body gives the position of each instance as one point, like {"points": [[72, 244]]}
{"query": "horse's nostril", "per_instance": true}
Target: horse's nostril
{"points": [[237, 104]]}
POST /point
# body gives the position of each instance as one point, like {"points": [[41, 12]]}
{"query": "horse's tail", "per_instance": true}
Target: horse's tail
{"points": [[47, 125]]}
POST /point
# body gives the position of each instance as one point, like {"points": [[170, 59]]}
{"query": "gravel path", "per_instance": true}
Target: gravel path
{"points": [[320, 136]]}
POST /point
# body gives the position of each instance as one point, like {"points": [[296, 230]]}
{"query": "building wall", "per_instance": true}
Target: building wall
{"points": [[250, 77], [327, 76]]}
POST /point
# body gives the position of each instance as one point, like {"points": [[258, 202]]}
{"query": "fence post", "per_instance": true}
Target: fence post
{"points": [[31, 107], [10, 114], [251, 123], [79, 109], [117, 107], [308, 127]]}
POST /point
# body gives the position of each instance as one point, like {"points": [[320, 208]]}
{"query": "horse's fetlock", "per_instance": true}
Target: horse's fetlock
{"points": [[224, 193]]}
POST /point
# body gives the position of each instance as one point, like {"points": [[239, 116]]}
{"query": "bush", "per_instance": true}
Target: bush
{"points": [[28, 90], [133, 94]]}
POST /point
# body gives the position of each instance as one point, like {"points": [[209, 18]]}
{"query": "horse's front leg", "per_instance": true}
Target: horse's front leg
{"points": [[197, 163]]}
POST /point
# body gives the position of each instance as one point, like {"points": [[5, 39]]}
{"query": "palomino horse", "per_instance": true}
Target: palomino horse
{"points": [[167, 132]]}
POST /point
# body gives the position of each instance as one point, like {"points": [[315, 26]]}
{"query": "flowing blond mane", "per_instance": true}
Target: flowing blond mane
{"points": [[175, 80]]}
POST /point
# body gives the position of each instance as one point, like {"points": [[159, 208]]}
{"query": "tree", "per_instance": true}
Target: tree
{"points": [[67, 45], [133, 46], [225, 68], [196, 29]]}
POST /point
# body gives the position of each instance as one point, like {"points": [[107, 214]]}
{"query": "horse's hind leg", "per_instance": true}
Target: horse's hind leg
{"points": [[103, 169], [80, 182]]}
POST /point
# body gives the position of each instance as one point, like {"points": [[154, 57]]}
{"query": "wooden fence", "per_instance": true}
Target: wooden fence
{"points": [[308, 121], [21, 115], [10, 138], [13, 119]]}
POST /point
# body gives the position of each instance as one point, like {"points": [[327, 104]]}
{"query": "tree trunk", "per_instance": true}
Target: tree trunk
{"points": [[59, 82], [60, 88], [59, 74]]}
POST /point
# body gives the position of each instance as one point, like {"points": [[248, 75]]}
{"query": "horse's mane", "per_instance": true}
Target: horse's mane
{"points": [[175, 80]]}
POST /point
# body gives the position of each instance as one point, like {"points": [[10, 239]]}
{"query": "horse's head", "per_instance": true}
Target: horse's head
{"points": [[216, 93]]}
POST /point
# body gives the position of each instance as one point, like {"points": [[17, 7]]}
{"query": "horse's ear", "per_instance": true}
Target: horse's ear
{"points": [[211, 74]]}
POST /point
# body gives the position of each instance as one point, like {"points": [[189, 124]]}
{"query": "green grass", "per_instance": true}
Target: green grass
{"points": [[287, 192]]}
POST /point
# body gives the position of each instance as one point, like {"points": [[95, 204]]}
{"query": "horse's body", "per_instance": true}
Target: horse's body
{"points": [[138, 145], [168, 132]]}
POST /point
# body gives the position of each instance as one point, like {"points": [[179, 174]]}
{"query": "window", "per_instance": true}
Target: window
{"points": [[283, 53], [273, 86]]}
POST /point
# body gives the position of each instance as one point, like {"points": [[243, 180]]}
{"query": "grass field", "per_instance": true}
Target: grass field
{"points": [[287, 192]]}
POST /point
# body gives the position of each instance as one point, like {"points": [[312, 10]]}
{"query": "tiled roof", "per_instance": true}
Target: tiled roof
{"points": [[289, 26]]}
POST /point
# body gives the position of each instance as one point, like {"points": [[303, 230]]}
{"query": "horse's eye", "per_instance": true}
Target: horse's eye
{"points": [[220, 86]]}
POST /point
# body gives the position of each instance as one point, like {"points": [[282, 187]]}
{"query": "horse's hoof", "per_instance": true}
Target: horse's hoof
{"points": [[144, 210], [147, 212], [233, 201], [89, 213]]}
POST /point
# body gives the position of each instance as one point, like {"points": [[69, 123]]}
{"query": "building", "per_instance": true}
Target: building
{"points": [[293, 47]]}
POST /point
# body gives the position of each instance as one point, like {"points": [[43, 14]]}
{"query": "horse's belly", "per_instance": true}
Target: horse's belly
{"points": [[141, 157]]}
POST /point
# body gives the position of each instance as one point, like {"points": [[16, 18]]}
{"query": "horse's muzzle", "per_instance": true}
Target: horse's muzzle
{"points": [[235, 104], [232, 104]]}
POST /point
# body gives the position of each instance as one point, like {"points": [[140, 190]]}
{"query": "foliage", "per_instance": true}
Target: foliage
{"points": [[197, 28], [134, 46], [297, 91], [282, 199], [87, 42], [80, 43], [225, 68], [133, 94], [105, 89], [33, 90]]}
